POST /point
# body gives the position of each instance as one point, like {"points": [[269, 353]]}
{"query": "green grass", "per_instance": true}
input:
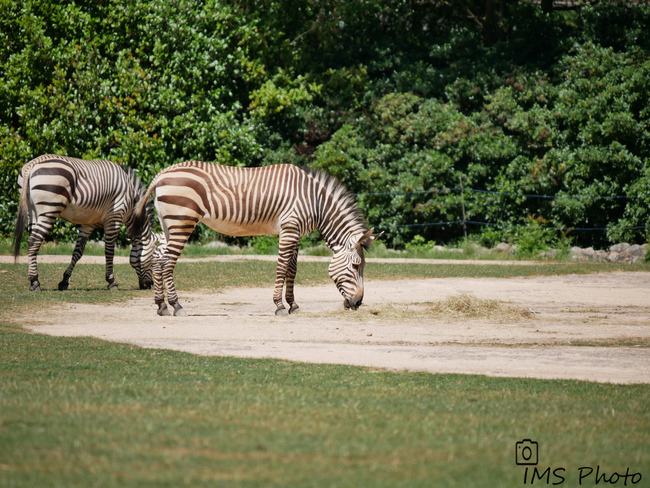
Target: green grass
{"points": [[217, 275], [84, 412], [92, 248]]}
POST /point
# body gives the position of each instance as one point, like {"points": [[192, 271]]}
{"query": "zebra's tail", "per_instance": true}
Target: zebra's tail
{"points": [[21, 218], [142, 207]]}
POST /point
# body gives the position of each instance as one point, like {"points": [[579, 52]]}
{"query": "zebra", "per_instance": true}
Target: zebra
{"points": [[281, 200], [93, 194]]}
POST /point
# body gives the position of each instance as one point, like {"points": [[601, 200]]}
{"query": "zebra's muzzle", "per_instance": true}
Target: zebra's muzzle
{"points": [[146, 283], [352, 303]]}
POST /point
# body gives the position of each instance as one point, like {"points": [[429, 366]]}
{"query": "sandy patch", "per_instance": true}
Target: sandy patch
{"points": [[393, 330]]}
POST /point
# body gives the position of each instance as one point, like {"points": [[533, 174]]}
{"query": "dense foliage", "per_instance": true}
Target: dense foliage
{"points": [[522, 116]]}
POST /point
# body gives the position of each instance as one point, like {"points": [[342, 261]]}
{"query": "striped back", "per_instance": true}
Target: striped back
{"points": [[99, 187]]}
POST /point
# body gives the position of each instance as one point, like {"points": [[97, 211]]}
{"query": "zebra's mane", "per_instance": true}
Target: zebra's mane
{"points": [[345, 201]]}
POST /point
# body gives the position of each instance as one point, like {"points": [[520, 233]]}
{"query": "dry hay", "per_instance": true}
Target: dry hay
{"points": [[470, 307], [459, 307]]}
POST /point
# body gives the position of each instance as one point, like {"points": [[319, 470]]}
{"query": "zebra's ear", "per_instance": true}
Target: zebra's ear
{"points": [[368, 238]]}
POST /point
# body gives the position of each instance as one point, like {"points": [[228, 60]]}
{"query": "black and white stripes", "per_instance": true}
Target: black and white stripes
{"points": [[282, 200], [93, 194]]}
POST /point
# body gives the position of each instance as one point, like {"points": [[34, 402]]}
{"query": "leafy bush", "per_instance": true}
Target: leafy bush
{"points": [[555, 148], [413, 105], [145, 84]]}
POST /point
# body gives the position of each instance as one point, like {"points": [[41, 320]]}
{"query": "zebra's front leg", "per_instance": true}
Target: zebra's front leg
{"points": [[280, 309], [84, 233], [286, 270]]}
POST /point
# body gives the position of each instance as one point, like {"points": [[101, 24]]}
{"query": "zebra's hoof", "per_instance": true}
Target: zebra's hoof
{"points": [[281, 311], [163, 311], [113, 286], [36, 286], [178, 310], [294, 308], [63, 286]]}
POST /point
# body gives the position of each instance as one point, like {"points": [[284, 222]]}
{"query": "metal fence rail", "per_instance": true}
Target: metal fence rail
{"points": [[487, 192]]}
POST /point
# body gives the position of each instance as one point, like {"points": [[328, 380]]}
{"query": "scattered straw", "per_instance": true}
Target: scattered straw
{"points": [[459, 307], [469, 307]]}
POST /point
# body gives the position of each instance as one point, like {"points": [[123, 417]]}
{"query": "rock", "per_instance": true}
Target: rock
{"points": [[221, 245], [575, 251], [618, 253], [503, 247], [614, 257], [619, 247], [633, 254], [550, 254], [633, 250], [587, 254], [601, 255], [216, 244]]}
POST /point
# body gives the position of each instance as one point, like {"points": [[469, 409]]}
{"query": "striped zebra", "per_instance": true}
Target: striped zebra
{"points": [[282, 200], [93, 194]]}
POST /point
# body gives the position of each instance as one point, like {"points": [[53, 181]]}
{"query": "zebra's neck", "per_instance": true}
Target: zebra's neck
{"points": [[337, 218]]}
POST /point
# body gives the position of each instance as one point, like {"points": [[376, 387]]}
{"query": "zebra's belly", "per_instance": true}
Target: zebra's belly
{"points": [[241, 230], [83, 215]]}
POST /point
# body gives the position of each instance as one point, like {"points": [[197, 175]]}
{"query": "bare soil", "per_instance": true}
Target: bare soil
{"points": [[586, 327]]}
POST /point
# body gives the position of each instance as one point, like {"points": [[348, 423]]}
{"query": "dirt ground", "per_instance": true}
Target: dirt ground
{"points": [[395, 329]]}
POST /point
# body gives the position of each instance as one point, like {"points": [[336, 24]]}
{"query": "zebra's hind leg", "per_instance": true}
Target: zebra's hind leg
{"points": [[159, 260], [289, 282], [84, 233], [174, 249], [177, 224], [39, 228]]}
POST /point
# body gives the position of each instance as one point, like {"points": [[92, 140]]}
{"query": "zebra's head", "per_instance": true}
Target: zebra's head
{"points": [[346, 268]]}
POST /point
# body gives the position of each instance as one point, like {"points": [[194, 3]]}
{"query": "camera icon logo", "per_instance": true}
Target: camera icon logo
{"points": [[526, 452]]}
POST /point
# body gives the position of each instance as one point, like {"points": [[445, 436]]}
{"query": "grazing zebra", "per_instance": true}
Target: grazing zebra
{"points": [[280, 199], [93, 194]]}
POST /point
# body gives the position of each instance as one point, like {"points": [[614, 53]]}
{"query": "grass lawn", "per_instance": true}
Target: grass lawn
{"points": [[83, 412]]}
